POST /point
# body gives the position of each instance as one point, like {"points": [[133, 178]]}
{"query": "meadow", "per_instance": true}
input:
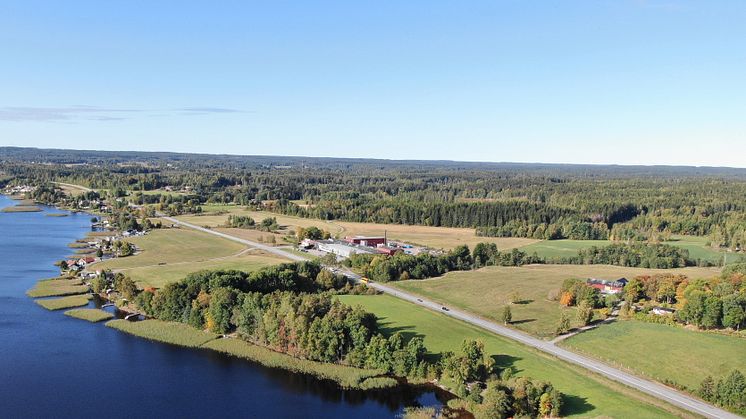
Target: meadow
{"points": [[64, 302], [92, 315], [562, 248], [586, 394], [661, 352], [486, 291], [434, 237], [697, 247], [168, 255]]}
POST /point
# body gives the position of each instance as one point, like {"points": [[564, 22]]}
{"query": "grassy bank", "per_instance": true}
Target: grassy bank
{"points": [[663, 352], [167, 332], [64, 302], [21, 208], [57, 288], [587, 394], [92, 315], [486, 291], [347, 377], [184, 335]]}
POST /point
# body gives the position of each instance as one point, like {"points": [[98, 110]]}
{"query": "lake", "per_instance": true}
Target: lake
{"points": [[55, 366]]}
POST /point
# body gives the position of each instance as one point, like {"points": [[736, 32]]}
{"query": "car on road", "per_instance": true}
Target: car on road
{"points": [[444, 308], [419, 300]]}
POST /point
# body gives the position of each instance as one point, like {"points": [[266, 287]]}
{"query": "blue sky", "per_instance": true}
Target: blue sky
{"points": [[623, 81]]}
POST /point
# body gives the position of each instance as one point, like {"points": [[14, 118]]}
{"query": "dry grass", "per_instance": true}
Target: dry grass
{"points": [[64, 302], [92, 315], [22, 208], [253, 235], [57, 287], [486, 291], [435, 237], [168, 255]]}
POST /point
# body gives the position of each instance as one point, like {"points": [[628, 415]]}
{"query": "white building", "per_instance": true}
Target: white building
{"points": [[342, 249]]}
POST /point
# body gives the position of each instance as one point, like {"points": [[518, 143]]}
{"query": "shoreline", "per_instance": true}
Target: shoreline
{"points": [[345, 377]]}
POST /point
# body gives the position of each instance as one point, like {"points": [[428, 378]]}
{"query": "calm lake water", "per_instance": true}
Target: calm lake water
{"points": [[55, 366]]}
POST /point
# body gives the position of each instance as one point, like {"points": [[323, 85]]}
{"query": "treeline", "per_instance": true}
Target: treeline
{"points": [[425, 265], [714, 303], [640, 255], [268, 224], [510, 200], [291, 309], [728, 392], [564, 229]]}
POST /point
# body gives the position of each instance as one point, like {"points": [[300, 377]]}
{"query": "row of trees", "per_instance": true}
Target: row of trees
{"points": [[640, 255], [728, 392], [425, 265], [567, 228]]}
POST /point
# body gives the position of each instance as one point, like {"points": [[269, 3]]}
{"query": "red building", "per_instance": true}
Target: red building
{"points": [[391, 251], [367, 241]]}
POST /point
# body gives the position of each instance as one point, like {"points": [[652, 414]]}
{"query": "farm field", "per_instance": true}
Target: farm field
{"points": [[562, 248], [170, 254], [587, 395], [486, 291], [698, 249], [435, 237], [660, 351]]}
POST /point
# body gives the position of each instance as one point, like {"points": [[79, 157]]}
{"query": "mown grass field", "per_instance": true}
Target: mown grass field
{"points": [[64, 302], [698, 249], [663, 352], [92, 315], [487, 290], [587, 395], [170, 254], [562, 248]]}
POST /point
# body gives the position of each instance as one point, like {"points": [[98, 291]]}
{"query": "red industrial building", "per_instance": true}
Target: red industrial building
{"points": [[367, 241]]}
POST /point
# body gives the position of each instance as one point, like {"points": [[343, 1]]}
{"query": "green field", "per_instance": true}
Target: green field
{"points": [[64, 302], [697, 247], [561, 248], [170, 254], [663, 352], [587, 395], [92, 315], [487, 290]]}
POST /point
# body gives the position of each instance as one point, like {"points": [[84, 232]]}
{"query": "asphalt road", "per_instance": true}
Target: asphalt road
{"points": [[652, 388]]}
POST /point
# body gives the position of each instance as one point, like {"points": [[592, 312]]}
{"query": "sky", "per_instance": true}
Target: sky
{"points": [[596, 81]]}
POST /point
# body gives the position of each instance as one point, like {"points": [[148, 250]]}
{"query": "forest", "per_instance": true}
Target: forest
{"points": [[582, 202]]}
